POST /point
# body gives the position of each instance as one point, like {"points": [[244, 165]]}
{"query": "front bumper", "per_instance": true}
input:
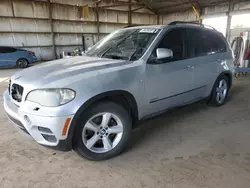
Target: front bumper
{"points": [[46, 130]]}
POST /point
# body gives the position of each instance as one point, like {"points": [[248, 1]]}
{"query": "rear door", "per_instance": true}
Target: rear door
{"points": [[2, 57], [7, 56], [206, 49]]}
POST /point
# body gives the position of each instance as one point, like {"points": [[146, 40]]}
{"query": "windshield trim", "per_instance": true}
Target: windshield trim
{"points": [[149, 47]]}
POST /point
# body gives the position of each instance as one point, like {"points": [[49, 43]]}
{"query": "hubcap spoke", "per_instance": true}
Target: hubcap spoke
{"points": [[221, 83], [91, 126], [218, 97], [105, 119], [107, 143], [116, 129], [91, 142]]}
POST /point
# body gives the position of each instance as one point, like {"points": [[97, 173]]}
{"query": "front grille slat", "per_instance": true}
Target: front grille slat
{"points": [[16, 92]]}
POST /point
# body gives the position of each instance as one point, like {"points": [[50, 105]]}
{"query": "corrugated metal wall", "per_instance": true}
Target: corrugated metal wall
{"points": [[180, 16], [27, 24]]}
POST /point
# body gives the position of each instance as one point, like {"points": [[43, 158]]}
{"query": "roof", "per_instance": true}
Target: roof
{"points": [[147, 27], [175, 23]]}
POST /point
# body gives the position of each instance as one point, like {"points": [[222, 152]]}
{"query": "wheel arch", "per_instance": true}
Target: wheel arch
{"points": [[121, 97], [229, 75], [22, 58]]}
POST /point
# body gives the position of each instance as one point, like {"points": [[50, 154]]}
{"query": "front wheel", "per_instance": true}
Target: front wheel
{"points": [[103, 131], [220, 91]]}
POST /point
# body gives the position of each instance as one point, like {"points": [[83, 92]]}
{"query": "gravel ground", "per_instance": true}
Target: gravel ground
{"points": [[190, 147]]}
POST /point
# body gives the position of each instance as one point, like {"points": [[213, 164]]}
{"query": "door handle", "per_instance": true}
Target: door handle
{"points": [[190, 67]]}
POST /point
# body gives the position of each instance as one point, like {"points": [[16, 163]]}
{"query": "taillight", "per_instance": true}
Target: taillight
{"points": [[32, 53]]}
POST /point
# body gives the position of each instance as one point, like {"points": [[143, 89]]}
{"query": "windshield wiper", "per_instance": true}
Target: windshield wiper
{"points": [[115, 57]]}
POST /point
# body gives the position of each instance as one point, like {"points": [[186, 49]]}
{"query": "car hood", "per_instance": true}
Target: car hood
{"points": [[63, 70]]}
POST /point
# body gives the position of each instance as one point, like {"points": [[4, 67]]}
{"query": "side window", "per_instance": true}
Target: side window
{"points": [[7, 50], [2, 50], [219, 42], [202, 43], [173, 40]]}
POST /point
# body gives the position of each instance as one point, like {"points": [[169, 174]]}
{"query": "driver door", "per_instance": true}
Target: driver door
{"points": [[170, 81]]}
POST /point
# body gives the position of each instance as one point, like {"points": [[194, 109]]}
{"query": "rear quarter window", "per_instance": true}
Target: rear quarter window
{"points": [[203, 42]]}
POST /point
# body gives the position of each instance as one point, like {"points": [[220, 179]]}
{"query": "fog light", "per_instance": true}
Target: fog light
{"points": [[49, 138], [45, 130], [27, 119]]}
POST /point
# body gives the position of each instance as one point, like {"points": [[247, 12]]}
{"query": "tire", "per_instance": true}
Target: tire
{"points": [[221, 87], [22, 63], [85, 133]]}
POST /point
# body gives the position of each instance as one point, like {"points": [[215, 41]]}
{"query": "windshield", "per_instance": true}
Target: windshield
{"points": [[129, 44]]}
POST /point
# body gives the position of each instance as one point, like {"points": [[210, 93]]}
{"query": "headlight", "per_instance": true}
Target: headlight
{"points": [[51, 97]]}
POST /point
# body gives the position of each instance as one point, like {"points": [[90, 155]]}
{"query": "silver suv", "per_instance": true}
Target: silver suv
{"points": [[91, 103]]}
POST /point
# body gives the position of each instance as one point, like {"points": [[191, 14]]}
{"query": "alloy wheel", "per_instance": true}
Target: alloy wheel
{"points": [[22, 63], [221, 91], [102, 132]]}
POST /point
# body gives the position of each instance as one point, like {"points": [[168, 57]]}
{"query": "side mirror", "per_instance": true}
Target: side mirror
{"points": [[163, 53]]}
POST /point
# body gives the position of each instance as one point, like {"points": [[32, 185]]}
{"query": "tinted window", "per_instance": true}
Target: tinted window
{"points": [[7, 50], [174, 40], [203, 43]]}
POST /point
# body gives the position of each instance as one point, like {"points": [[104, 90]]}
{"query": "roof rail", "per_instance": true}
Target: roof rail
{"points": [[127, 26], [191, 23]]}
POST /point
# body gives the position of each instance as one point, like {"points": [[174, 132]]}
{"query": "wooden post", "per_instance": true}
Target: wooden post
{"points": [[52, 29], [129, 13], [97, 21]]}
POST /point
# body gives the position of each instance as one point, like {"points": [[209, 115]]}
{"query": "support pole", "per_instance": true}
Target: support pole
{"points": [[198, 17], [97, 21], [52, 29], [158, 19], [129, 14], [12, 8], [229, 19]]}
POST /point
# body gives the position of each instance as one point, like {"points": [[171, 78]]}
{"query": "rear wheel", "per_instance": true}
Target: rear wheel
{"points": [[220, 91], [103, 131], [22, 63]]}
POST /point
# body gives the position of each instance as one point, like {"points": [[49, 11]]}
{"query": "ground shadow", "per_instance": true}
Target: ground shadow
{"points": [[148, 127]]}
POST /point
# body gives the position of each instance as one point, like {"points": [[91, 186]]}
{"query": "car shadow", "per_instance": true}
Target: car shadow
{"points": [[15, 67], [164, 122], [236, 90], [168, 121]]}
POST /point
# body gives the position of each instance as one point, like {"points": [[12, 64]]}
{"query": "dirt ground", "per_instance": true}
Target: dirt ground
{"points": [[192, 147]]}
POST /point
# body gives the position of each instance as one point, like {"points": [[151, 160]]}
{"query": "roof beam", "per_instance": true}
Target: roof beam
{"points": [[119, 3], [180, 7], [147, 5]]}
